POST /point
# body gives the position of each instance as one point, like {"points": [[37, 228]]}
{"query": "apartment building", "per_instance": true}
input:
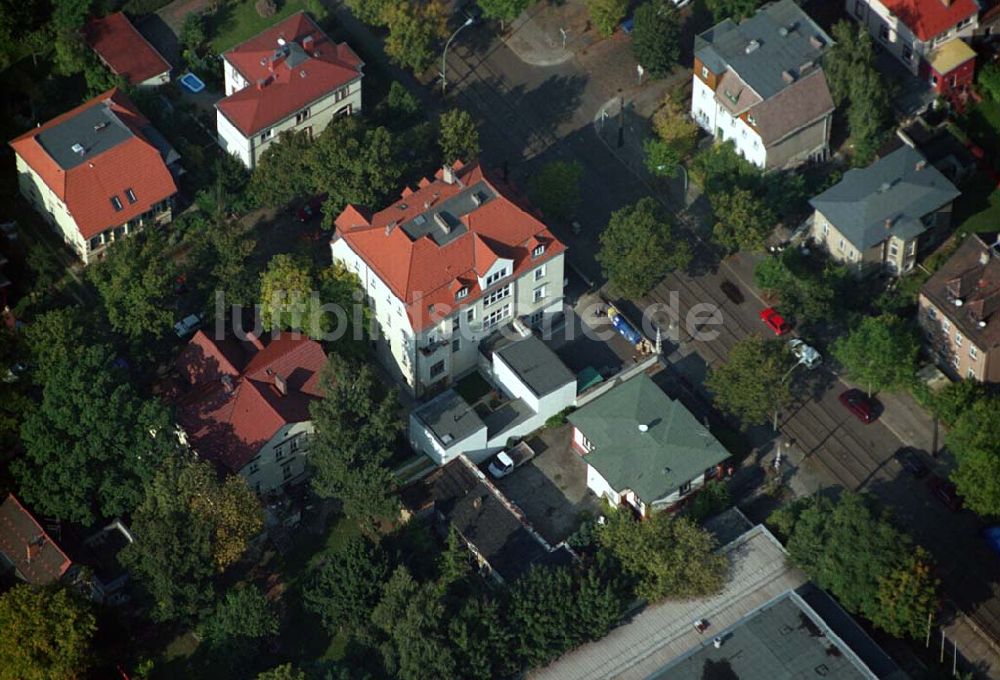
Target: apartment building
{"points": [[291, 77], [760, 84], [97, 173], [447, 265], [960, 310]]}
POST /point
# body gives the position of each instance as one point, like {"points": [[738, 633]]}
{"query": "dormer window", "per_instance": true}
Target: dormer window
{"points": [[539, 249], [496, 276], [130, 195], [462, 292], [116, 203]]}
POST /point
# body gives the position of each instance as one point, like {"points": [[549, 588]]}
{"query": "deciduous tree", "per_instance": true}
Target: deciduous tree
{"points": [[742, 220], [188, 528], [503, 10], [907, 596], [751, 384], [812, 288], [880, 353], [243, 613], [89, 445], [674, 126], [290, 298], [736, 10], [369, 11], [555, 188], [607, 14], [973, 440], [356, 426], [135, 281], [660, 157], [285, 671], [414, 29], [481, 641], [345, 587], [667, 556], [458, 136], [639, 247], [47, 634], [282, 173], [656, 37]]}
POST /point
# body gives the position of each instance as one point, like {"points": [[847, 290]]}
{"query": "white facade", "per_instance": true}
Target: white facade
{"points": [[889, 31], [709, 113], [313, 118], [55, 211], [449, 348], [281, 460], [423, 440]]}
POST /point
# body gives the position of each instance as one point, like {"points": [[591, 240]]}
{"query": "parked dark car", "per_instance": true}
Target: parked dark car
{"points": [[859, 404], [732, 292], [912, 461], [945, 492]]}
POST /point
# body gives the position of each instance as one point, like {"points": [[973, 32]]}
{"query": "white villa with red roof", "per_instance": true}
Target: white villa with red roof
{"points": [[447, 265], [290, 77], [245, 405], [97, 173]]}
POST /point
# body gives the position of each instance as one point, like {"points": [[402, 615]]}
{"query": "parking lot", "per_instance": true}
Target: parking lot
{"points": [[551, 488]]}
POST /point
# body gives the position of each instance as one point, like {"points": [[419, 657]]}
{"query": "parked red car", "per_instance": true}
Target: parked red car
{"points": [[945, 492], [859, 404], [775, 321]]}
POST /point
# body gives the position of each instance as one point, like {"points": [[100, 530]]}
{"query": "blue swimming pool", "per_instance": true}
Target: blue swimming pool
{"points": [[192, 83]]}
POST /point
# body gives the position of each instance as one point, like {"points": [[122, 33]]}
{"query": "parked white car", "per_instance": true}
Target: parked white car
{"points": [[501, 465], [806, 354]]}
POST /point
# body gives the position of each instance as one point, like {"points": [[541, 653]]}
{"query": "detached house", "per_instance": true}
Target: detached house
{"points": [[446, 266], [881, 217], [644, 450], [125, 52], [925, 36], [759, 84], [960, 310], [245, 405], [291, 77], [97, 173]]}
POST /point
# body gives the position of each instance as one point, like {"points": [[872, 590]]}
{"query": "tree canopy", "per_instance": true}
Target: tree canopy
{"points": [[504, 10], [639, 247], [880, 353], [244, 613], [47, 634], [737, 10], [345, 587], [973, 441], [555, 188], [89, 447], [812, 288], [674, 126], [458, 137], [751, 384], [656, 36], [667, 556], [872, 568], [743, 221], [607, 14], [189, 527], [414, 29], [356, 427], [282, 173], [290, 297]]}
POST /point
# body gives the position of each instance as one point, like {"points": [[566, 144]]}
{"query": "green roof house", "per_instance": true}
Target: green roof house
{"points": [[642, 448], [880, 217]]}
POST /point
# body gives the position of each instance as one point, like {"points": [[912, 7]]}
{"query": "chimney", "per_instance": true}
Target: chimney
{"points": [[888, 222], [33, 547], [280, 385], [261, 82], [787, 77], [308, 43], [921, 164], [946, 3], [984, 258], [389, 227], [751, 46], [448, 174]]}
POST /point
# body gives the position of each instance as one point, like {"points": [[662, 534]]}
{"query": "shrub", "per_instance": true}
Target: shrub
{"points": [[266, 8]]}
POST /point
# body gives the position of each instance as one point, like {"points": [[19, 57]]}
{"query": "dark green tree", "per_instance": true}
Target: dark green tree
{"points": [[811, 288], [282, 174], [736, 10], [414, 30], [47, 634], [244, 614], [369, 11], [285, 671], [743, 220], [661, 158], [356, 427], [458, 137], [503, 10], [454, 562], [656, 37], [345, 587], [751, 385], [639, 247], [480, 640], [555, 188], [135, 281], [189, 527], [89, 447], [976, 447], [880, 353], [955, 399], [607, 14]]}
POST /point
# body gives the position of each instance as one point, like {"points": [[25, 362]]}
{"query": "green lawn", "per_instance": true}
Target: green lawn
{"points": [[978, 208], [235, 24]]}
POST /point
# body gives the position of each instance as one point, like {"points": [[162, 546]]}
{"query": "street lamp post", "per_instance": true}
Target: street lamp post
{"points": [[444, 56]]}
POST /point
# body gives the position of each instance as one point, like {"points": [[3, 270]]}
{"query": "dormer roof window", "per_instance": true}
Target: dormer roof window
{"points": [[538, 250]]}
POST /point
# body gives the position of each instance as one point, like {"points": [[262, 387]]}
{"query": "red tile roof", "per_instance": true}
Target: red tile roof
{"points": [[929, 18], [123, 48], [290, 83], [86, 189], [24, 542], [233, 406], [423, 274]]}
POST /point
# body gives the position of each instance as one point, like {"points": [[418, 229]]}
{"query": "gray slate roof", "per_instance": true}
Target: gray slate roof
{"points": [[449, 417], [785, 39], [536, 365], [892, 188], [96, 129], [675, 449]]}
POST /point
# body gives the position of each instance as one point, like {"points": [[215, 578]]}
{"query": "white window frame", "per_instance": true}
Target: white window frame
{"points": [[539, 249], [538, 294], [496, 296], [539, 273], [496, 316], [496, 276]]}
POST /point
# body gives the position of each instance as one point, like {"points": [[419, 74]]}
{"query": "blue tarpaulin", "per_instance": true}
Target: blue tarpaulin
{"points": [[992, 536], [625, 329]]}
